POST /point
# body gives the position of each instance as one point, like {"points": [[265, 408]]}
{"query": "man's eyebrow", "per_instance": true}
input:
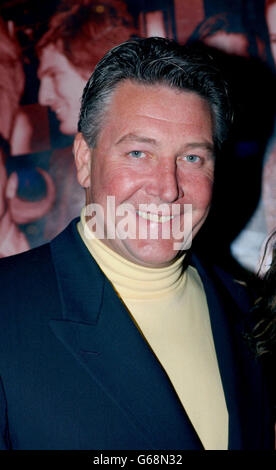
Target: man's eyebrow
{"points": [[131, 137], [137, 138], [204, 145], [44, 71]]}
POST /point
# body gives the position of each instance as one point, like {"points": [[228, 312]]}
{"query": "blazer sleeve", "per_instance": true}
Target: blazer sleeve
{"points": [[4, 433]]}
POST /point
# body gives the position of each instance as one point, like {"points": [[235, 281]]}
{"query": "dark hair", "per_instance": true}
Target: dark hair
{"points": [[12, 78], [84, 32], [155, 61], [261, 329], [263, 337], [229, 23], [232, 24]]}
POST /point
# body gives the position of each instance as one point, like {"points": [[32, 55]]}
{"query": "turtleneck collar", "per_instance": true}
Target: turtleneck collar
{"points": [[132, 280]]}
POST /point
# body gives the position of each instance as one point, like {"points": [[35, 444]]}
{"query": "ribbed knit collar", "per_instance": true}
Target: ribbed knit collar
{"points": [[132, 280]]}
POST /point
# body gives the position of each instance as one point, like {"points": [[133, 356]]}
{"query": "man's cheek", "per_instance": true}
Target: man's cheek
{"points": [[202, 189], [120, 186]]}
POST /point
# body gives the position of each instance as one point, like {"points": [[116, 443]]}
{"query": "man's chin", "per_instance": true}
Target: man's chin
{"points": [[151, 255], [67, 129]]}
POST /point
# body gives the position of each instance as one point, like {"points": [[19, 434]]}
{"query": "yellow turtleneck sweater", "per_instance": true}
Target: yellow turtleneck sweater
{"points": [[170, 309]]}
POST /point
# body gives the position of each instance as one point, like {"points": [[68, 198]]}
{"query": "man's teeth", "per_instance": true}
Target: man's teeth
{"points": [[155, 217]]}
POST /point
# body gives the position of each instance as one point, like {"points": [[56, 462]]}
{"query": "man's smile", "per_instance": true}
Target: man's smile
{"points": [[155, 217]]}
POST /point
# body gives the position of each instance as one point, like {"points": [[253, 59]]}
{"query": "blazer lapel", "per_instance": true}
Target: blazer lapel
{"points": [[97, 329]]}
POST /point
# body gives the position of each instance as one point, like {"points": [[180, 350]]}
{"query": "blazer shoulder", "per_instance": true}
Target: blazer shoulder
{"points": [[226, 285], [237, 288], [27, 283], [23, 266]]}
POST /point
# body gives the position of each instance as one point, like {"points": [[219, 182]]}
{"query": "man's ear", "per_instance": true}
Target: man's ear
{"points": [[82, 154]]}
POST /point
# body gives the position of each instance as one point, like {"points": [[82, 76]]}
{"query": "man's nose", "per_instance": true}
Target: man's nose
{"points": [[164, 184], [45, 94]]}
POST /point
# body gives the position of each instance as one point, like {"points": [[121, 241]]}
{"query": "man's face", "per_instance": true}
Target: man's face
{"points": [[231, 43], [155, 147], [61, 88]]}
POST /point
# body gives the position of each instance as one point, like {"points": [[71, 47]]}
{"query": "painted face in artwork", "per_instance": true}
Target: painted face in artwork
{"points": [[271, 24], [61, 87]]}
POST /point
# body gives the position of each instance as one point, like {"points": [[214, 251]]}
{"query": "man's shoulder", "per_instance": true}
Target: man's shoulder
{"points": [[37, 283], [226, 284], [30, 256], [29, 286], [24, 266], [27, 282], [34, 263]]}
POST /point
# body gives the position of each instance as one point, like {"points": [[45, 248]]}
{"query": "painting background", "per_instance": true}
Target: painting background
{"points": [[237, 225]]}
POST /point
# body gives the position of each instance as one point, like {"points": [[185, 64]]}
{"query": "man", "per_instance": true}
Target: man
{"points": [[76, 40], [223, 31], [115, 338]]}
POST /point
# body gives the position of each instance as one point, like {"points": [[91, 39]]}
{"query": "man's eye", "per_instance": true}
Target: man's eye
{"points": [[55, 74], [137, 154], [192, 158]]}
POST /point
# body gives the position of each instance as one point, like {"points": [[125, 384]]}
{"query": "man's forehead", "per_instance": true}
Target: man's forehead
{"points": [[53, 59], [157, 116], [130, 88], [156, 101], [136, 137], [50, 57]]}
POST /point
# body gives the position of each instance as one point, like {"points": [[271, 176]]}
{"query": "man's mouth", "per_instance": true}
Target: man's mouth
{"points": [[155, 217]]}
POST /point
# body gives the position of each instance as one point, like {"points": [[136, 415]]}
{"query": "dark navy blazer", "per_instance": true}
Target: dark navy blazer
{"points": [[75, 373]]}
